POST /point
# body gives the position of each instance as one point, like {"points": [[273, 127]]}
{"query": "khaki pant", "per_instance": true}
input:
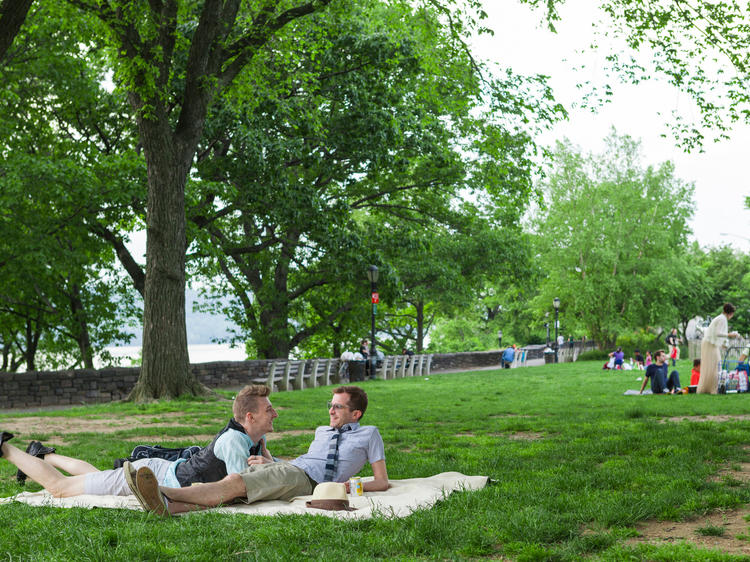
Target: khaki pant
{"points": [[710, 364], [275, 481]]}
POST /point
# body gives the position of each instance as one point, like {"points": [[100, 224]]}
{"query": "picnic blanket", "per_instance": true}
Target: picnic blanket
{"points": [[401, 499]]}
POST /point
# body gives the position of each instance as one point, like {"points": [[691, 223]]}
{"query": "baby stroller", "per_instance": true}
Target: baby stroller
{"points": [[734, 373]]}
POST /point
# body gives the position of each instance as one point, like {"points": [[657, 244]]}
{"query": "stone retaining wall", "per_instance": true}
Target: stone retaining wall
{"points": [[87, 386]]}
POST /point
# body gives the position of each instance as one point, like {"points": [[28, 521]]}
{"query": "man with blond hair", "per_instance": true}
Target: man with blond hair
{"points": [[243, 437], [338, 451]]}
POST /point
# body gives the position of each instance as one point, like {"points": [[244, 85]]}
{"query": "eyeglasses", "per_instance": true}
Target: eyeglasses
{"points": [[337, 406]]}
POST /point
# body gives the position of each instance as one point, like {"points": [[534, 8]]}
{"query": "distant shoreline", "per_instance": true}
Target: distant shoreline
{"points": [[198, 353]]}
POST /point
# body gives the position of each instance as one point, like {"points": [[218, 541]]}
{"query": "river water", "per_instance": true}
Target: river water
{"points": [[199, 353]]}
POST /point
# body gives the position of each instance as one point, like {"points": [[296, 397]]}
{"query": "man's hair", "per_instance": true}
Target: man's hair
{"points": [[696, 362], [357, 397], [729, 308], [248, 400]]}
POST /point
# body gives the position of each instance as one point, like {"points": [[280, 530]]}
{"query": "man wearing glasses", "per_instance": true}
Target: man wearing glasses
{"points": [[338, 452]]}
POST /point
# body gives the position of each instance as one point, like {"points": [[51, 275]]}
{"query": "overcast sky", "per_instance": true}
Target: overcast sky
{"points": [[719, 174]]}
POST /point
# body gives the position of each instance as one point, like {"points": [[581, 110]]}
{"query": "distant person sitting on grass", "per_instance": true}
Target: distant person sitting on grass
{"points": [[639, 361], [695, 374], [508, 356], [243, 438], [338, 452], [657, 372], [619, 356]]}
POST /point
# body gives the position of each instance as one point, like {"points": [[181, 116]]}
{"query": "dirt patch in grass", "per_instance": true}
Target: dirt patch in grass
{"points": [[525, 436], [58, 427], [33, 425], [739, 474], [201, 440], [290, 433], [735, 538], [724, 418], [732, 522]]}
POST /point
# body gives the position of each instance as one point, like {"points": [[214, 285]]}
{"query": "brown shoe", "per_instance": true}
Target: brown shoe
{"points": [[130, 475], [151, 497]]}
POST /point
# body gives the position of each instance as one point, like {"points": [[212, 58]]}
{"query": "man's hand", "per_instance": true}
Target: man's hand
{"points": [[263, 458], [257, 459]]}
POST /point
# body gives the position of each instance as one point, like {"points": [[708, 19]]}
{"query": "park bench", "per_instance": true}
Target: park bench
{"points": [[294, 374], [399, 366], [324, 372]]}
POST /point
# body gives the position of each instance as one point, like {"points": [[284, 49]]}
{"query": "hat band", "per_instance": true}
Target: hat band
{"points": [[330, 505]]}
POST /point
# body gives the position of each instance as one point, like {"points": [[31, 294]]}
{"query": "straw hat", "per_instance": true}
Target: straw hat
{"points": [[331, 496]]}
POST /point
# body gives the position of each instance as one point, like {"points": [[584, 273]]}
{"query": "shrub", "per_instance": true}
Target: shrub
{"points": [[642, 340], [594, 355]]}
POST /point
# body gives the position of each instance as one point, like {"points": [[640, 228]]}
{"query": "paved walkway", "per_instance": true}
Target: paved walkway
{"points": [[529, 363]]}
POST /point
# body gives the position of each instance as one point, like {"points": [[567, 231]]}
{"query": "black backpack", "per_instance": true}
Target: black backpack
{"points": [[158, 452]]}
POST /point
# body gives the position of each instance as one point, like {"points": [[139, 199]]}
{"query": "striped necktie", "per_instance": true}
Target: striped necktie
{"points": [[333, 454]]}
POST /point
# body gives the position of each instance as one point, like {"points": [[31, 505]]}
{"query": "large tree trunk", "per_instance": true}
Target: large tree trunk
{"points": [[274, 317], [165, 370], [420, 326], [32, 342], [81, 328], [12, 15]]}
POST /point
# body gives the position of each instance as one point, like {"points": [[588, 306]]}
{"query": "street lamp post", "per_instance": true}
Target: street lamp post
{"points": [[372, 275], [556, 304]]}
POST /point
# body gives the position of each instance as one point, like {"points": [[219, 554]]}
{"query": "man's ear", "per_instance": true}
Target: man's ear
{"points": [[357, 413]]}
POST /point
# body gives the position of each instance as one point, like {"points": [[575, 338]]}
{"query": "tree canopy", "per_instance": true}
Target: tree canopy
{"points": [[612, 235]]}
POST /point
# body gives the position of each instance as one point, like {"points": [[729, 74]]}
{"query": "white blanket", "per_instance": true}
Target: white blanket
{"points": [[403, 497]]}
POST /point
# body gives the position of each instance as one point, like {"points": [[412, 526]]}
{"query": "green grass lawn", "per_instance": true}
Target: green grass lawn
{"points": [[576, 465]]}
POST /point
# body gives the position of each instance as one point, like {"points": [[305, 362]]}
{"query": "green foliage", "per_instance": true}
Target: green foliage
{"points": [[727, 275], [612, 238], [461, 334], [365, 144], [594, 355], [711, 531], [68, 165], [641, 340], [702, 51]]}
